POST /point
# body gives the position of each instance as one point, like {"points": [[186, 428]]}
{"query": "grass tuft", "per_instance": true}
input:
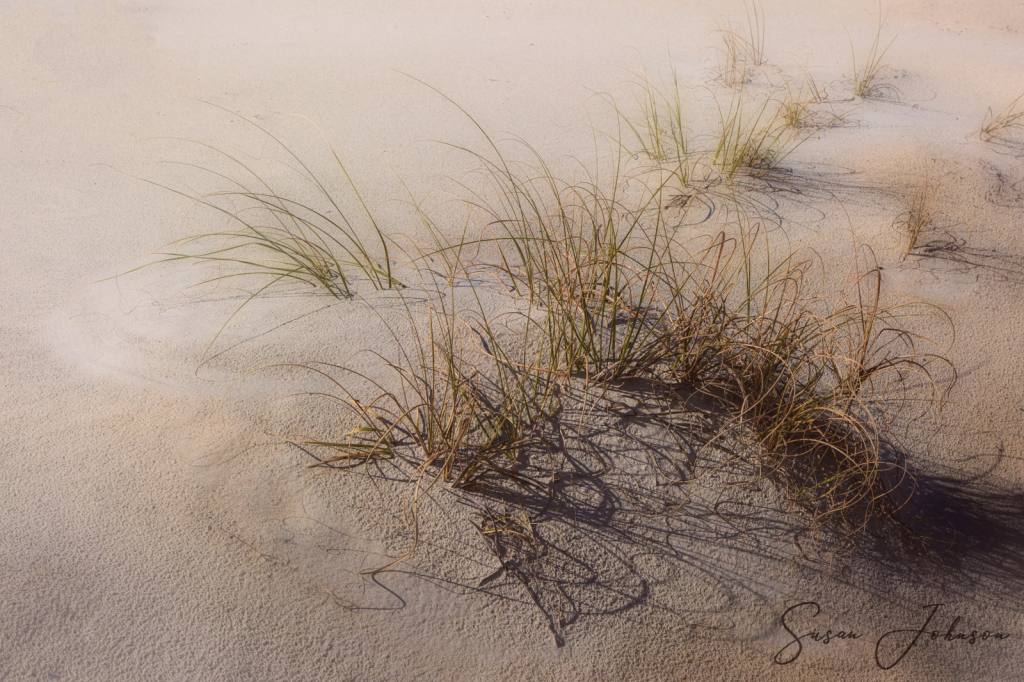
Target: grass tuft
{"points": [[743, 46], [799, 108], [754, 137], [919, 216], [865, 75], [660, 129], [1006, 121], [320, 240]]}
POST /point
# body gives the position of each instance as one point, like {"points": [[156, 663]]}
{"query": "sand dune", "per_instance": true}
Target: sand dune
{"points": [[156, 523]]}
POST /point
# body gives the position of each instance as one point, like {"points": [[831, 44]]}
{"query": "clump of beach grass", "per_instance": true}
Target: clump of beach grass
{"points": [[603, 290], [1010, 119], [754, 137], [458, 410], [817, 381], [753, 134], [617, 294], [743, 46], [865, 73], [321, 240]]}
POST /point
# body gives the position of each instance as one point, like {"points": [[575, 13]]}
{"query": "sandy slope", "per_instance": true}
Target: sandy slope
{"points": [[151, 529]]}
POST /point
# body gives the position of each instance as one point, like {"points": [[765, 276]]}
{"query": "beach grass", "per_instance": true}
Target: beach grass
{"points": [[606, 292], [325, 239], [867, 69], [601, 288], [743, 45], [753, 134], [919, 216], [1009, 119], [754, 137], [800, 107]]}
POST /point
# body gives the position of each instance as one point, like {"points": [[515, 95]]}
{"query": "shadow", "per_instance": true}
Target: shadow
{"points": [[961, 539], [975, 529], [634, 494], [810, 184], [954, 252], [628, 492], [795, 192], [1010, 145], [1008, 192]]}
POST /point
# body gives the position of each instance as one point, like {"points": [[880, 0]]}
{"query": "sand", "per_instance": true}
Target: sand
{"points": [[151, 527]]}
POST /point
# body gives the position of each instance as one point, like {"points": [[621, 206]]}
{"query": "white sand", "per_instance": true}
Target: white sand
{"points": [[149, 529]]}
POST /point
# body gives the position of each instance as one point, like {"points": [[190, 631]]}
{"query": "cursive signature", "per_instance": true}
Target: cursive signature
{"points": [[782, 658], [890, 649], [951, 635]]}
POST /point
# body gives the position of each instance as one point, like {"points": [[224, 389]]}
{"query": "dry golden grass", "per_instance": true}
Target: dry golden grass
{"points": [[609, 293], [919, 215], [1011, 118], [865, 74], [606, 290]]}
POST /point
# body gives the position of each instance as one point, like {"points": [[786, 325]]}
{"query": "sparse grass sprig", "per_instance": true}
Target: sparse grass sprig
{"points": [[754, 137], [660, 129], [1011, 118], [799, 108], [796, 109], [919, 215], [743, 46], [865, 74]]}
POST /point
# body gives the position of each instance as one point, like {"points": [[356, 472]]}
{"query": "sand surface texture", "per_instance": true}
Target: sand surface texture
{"points": [[153, 524]]}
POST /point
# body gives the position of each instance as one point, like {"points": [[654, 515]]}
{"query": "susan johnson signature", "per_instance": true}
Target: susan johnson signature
{"points": [[891, 648]]}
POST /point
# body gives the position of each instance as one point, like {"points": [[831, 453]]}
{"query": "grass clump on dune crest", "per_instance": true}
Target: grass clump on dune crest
{"points": [[599, 288], [607, 292]]}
